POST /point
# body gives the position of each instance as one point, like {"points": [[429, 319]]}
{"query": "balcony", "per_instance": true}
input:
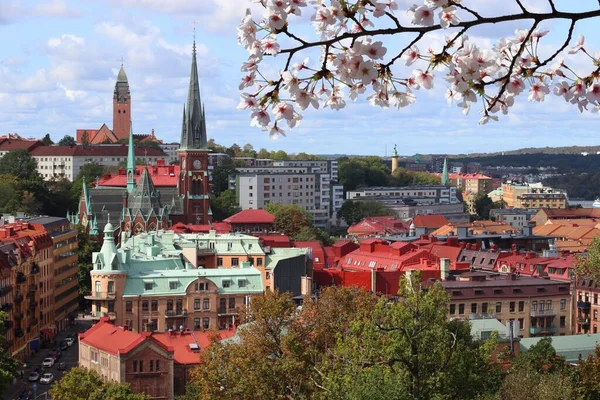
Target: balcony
{"points": [[205, 252], [583, 320], [100, 314], [35, 269], [33, 304], [584, 305], [176, 313], [5, 290], [543, 313], [101, 296], [226, 311]]}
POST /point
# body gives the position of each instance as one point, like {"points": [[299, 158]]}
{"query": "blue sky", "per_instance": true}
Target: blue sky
{"points": [[59, 60]]}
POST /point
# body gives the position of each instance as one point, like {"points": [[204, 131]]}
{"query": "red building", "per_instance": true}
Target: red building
{"points": [[154, 363], [378, 226], [15, 142], [251, 222]]}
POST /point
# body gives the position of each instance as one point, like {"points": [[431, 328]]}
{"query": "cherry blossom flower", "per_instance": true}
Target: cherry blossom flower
{"points": [[379, 98], [250, 65], [515, 86], [335, 102], [270, 46], [275, 132], [290, 82], [486, 118], [422, 15], [436, 3], [400, 99], [247, 81], [260, 118], [537, 91], [247, 101], [277, 20], [375, 50], [286, 111], [562, 89], [593, 93], [577, 89], [276, 5], [578, 46], [423, 78], [322, 19], [300, 65], [411, 55], [448, 17], [357, 89], [366, 72], [305, 98]]}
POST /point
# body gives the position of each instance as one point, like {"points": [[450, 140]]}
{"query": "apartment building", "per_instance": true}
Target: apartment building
{"points": [[471, 183], [542, 307], [66, 161], [430, 194], [14, 142], [164, 280], [534, 195], [170, 150], [586, 314], [516, 217], [66, 270]]}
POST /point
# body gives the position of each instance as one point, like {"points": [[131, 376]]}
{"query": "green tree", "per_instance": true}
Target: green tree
{"points": [[11, 200], [354, 211], [83, 384], [19, 163], [588, 383], [220, 176], [67, 140], [529, 384], [8, 365], [90, 171], [224, 205], [289, 218], [47, 140], [308, 233], [87, 244], [588, 266], [263, 153], [248, 151]]}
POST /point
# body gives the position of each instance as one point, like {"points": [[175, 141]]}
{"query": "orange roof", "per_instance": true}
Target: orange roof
{"points": [[110, 338], [219, 227], [478, 228], [384, 225], [429, 221], [180, 343], [251, 217], [162, 175]]}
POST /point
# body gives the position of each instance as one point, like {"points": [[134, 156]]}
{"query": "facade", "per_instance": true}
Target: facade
{"points": [[156, 364], [162, 280], [377, 227], [533, 195], [65, 269], [471, 183], [586, 314], [515, 217], [66, 161], [170, 150], [435, 193], [542, 307]]}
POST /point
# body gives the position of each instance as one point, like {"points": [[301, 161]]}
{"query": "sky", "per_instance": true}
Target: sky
{"points": [[59, 60]]}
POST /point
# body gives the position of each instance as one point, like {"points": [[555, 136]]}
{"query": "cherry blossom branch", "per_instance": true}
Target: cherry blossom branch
{"points": [[521, 6], [552, 7], [472, 12]]}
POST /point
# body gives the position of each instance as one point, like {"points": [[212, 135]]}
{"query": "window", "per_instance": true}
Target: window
{"points": [[206, 304], [474, 308], [148, 285], [498, 307], [563, 321], [196, 324], [511, 306], [595, 328], [484, 308], [534, 305], [98, 287], [235, 262], [154, 305], [452, 309], [259, 262], [595, 298], [128, 306], [461, 309], [521, 324], [158, 365], [141, 365], [111, 287], [563, 304], [145, 306], [232, 302], [268, 275], [226, 283], [521, 306], [242, 283], [169, 305], [196, 304], [173, 285], [219, 261], [595, 315], [205, 323], [151, 365], [134, 365]]}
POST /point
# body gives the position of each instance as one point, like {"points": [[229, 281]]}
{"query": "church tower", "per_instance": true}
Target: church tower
{"points": [[121, 106], [193, 185]]}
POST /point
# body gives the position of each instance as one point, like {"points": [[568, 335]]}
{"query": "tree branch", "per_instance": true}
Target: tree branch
{"points": [[472, 12], [521, 6], [552, 5], [564, 45]]}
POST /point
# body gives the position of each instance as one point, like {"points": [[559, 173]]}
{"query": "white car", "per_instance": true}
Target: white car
{"points": [[34, 376], [47, 378], [69, 341], [48, 362]]}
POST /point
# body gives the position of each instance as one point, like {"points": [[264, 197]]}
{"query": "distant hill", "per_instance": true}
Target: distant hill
{"points": [[535, 150]]}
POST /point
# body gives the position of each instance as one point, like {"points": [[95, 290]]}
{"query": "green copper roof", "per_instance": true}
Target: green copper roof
{"points": [[122, 77], [130, 161], [570, 346], [278, 254]]}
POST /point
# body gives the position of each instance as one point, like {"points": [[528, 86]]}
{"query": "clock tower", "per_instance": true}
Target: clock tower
{"points": [[193, 183]]}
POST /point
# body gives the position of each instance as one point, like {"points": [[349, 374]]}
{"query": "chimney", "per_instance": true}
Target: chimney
{"points": [[462, 231], [444, 268]]}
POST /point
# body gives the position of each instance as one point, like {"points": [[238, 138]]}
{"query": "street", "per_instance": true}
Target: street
{"points": [[70, 357]]}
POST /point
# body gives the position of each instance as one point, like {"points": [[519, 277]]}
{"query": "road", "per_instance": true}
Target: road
{"points": [[70, 357]]}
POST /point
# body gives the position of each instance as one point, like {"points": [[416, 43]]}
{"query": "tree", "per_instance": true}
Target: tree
{"points": [[87, 244], [308, 233], [67, 140], [289, 218], [248, 151], [19, 163], [362, 171], [47, 140], [352, 38], [588, 266], [588, 384], [8, 365], [11, 200], [355, 211], [83, 384], [91, 171], [224, 205], [220, 176]]}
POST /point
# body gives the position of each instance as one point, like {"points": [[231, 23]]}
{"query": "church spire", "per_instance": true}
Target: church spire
{"points": [[130, 161], [445, 179], [192, 134]]}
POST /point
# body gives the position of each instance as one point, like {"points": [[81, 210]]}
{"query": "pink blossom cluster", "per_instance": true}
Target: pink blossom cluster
{"points": [[354, 63]]}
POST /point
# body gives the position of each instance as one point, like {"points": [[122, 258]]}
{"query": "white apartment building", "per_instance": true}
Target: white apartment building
{"points": [[324, 166], [170, 150], [66, 161], [434, 193]]}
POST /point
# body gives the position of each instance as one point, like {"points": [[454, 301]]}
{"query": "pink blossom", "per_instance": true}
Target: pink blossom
{"points": [[422, 15], [593, 94], [366, 72], [270, 46], [277, 20], [578, 46], [375, 50], [335, 102], [305, 98], [400, 99], [286, 111], [247, 101], [290, 82], [322, 19], [260, 118], [277, 5], [276, 131], [562, 89], [515, 86], [411, 55], [423, 78], [379, 98], [448, 17], [436, 3], [247, 81], [537, 91], [486, 118]]}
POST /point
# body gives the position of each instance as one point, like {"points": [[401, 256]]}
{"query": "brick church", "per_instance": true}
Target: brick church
{"points": [[146, 198], [121, 119]]}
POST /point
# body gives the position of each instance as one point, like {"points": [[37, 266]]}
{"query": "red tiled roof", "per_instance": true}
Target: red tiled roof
{"points": [[18, 144], [110, 338], [251, 217], [95, 151], [180, 343], [384, 225], [162, 176], [429, 221], [219, 227]]}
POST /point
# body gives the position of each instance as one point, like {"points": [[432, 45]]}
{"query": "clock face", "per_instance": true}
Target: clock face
{"points": [[197, 164]]}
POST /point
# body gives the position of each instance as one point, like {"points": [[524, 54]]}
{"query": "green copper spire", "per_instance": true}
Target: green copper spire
{"points": [[85, 192], [445, 179], [395, 153], [131, 162]]}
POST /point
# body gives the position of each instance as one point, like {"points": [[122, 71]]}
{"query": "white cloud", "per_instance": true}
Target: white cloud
{"points": [[55, 9]]}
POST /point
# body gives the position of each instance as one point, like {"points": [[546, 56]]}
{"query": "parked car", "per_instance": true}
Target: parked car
{"points": [[34, 376], [47, 378], [69, 341], [61, 366], [48, 362], [64, 345]]}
